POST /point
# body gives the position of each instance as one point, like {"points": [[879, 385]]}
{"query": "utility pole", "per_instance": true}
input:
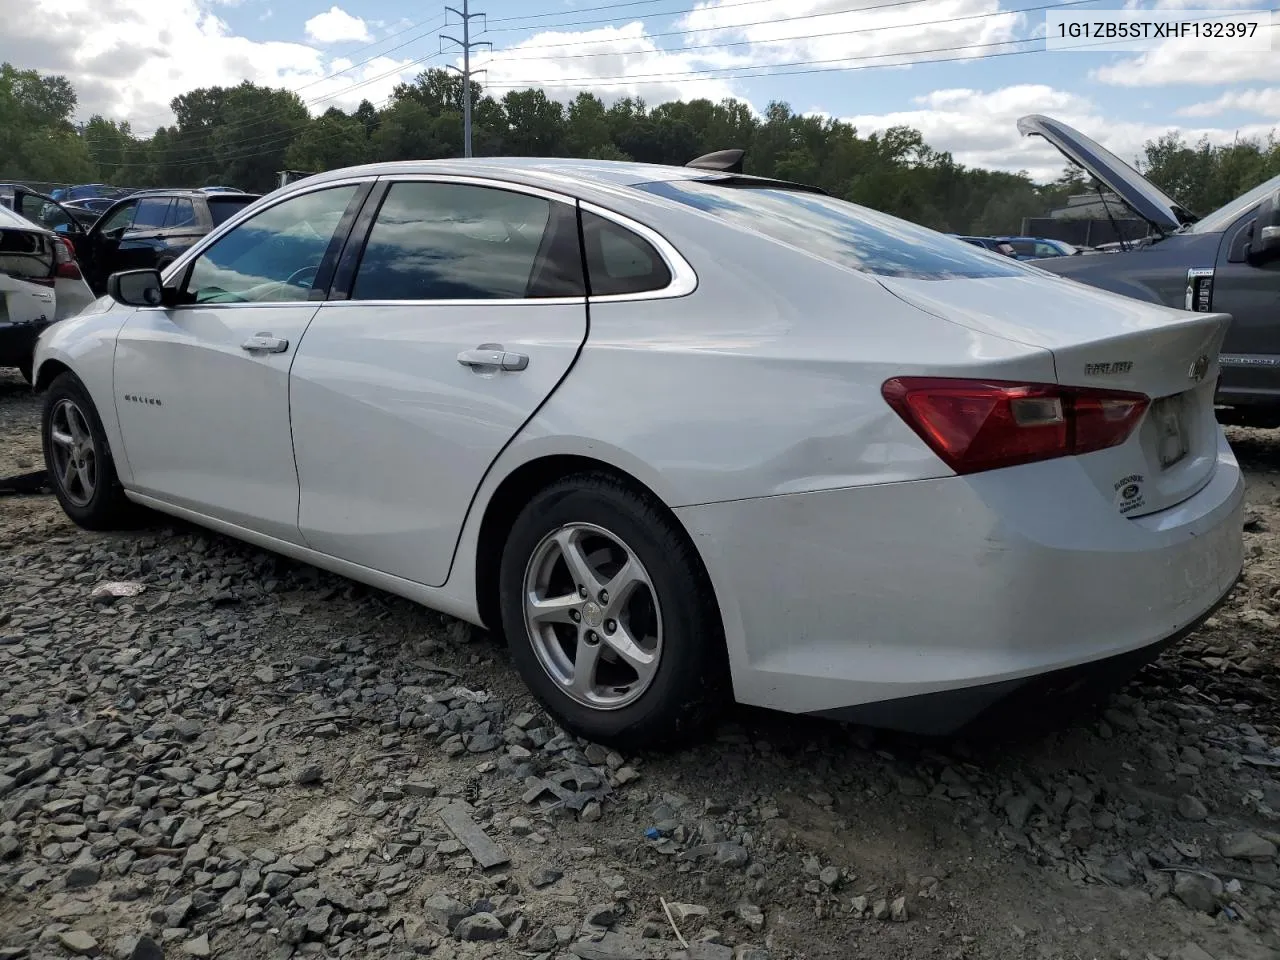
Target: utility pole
{"points": [[466, 43]]}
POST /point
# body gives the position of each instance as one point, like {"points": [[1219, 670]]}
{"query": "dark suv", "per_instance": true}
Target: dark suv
{"points": [[151, 228], [1227, 261]]}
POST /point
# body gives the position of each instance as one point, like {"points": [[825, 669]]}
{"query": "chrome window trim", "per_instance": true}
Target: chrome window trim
{"points": [[393, 178], [179, 265], [683, 278], [490, 302]]}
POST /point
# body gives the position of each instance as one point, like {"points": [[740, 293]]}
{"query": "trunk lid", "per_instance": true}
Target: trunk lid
{"points": [[1108, 342], [1147, 200]]}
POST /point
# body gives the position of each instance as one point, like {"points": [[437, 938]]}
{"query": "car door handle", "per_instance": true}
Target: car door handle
{"points": [[492, 355], [265, 343]]}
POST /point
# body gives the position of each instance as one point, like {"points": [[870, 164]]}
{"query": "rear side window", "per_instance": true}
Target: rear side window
{"points": [[840, 232], [26, 255], [448, 241], [221, 210], [151, 213], [619, 261], [181, 214]]}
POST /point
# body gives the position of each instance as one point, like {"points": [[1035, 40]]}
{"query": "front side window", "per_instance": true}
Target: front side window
{"points": [[838, 231], [119, 220], [451, 241], [273, 257]]}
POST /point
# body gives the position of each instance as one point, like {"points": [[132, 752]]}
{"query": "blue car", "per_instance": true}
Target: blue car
{"points": [[1038, 248]]}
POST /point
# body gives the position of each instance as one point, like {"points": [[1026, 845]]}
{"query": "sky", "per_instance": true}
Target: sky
{"points": [[961, 71]]}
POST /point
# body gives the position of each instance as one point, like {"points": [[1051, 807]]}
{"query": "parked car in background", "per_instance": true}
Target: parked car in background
{"points": [[986, 243], [150, 228], [86, 191], [87, 211], [620, 411], [39, 284], [1038, 248], [1228, 262]]}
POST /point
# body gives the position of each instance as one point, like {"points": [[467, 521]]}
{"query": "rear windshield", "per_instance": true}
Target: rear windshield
{"points": [[840, 232], [26, 255], [223, 209]]}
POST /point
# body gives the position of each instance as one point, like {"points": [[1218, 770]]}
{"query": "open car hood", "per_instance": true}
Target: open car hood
{"points": [[1147, 200]]}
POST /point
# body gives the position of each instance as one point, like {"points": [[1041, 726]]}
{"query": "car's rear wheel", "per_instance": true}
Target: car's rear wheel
{"points": [[78, 458], [609, 615]]}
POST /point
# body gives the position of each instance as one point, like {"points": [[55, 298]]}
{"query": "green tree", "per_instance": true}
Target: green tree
{"points": [[331, 140]]}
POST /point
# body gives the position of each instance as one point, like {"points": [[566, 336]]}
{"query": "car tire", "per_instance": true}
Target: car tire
{"points": [[667, 611], [78, 458]]}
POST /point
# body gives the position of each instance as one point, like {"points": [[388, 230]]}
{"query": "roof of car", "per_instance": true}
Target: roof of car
{"points": [[185, 192], [550, 172]]}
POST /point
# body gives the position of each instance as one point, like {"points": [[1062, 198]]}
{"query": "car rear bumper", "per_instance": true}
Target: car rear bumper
{"points": [[964, 586]]}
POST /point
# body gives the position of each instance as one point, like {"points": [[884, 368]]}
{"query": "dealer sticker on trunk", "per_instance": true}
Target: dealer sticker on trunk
{"points": [[1129, 493]]}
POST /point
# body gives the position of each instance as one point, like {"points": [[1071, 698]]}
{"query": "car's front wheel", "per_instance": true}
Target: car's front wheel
{"points": [[78, 458], [609, 615]]}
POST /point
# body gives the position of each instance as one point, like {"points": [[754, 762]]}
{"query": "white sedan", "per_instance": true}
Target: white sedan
{"points": [[680, 434]]}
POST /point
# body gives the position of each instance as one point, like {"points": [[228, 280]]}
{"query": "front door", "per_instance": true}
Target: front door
{"points": [[202, 388], [140, 244], [1250, 292], [97, 254], [465, 311]]}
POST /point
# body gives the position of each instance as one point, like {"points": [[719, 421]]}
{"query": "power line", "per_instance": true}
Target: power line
{"points": [[761, 42]]}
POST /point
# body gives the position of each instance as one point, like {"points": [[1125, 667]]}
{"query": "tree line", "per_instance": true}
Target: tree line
{"points": [[242, 135]]}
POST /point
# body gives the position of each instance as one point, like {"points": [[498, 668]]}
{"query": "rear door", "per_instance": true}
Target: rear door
{"points": [[458, 318]]}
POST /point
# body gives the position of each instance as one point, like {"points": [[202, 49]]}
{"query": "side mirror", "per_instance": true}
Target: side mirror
{"points": [[1265, 244], [136, 288]]}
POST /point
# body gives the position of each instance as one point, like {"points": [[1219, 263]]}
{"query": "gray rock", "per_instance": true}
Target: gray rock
{"points": [[199, 947], [603, 915], [1246, 846], [911, 787], [1017, 808], [830, 877], [751, 915], [1192, 951], [78, 942], [1118, 870], [544, 877], [732, 855], [746, 951], [706, 950], [146, 949], [480, 927], [310, 774], [1197, 891], [83, 875], [443, 912], [188, 832], [1191, 808], [898, 910], [544, 939], [615, 946], [175, 914]]}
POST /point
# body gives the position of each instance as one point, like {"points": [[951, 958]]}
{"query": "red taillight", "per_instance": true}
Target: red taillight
{"points": [[978, 425], [64, 257]]}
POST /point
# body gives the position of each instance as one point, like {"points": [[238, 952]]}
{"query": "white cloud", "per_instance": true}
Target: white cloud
{"points": [[335, 25], [127, 60], [1187, 61], [980, 128], [1265, 103], [780, 31], [613, 62]]}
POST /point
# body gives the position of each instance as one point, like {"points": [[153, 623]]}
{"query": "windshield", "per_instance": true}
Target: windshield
{"points": [[1227, 214], [840, 232]]}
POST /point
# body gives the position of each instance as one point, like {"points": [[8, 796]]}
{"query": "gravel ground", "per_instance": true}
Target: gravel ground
{"points": [[233, 755]]}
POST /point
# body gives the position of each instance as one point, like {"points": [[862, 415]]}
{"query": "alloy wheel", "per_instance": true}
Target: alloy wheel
{"points": [[75, 460], [593, 616]]}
